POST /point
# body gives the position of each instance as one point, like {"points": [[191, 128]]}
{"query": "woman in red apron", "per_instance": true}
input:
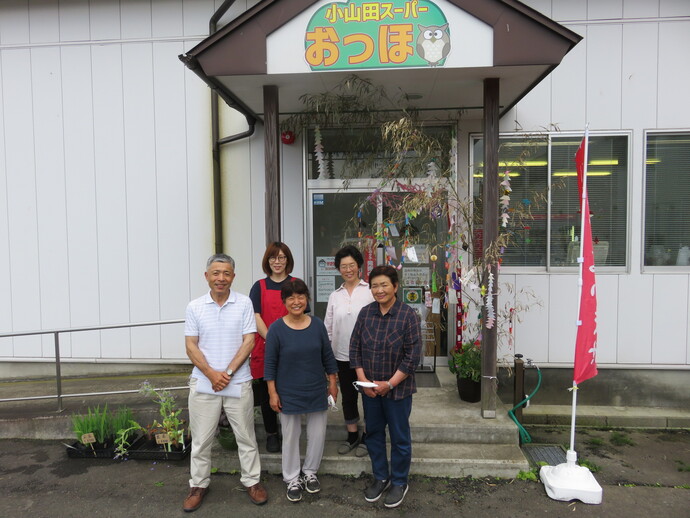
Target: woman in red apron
{"points": [[277, 264]]}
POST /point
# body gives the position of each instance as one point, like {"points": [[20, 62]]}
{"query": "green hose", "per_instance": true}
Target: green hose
{"points": [[524, 434]]}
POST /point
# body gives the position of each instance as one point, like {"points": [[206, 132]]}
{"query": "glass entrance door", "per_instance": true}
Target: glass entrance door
{"points": [[334, 224], [339, 218]]}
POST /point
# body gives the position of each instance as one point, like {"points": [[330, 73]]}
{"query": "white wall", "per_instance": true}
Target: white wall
{"points": [[105, 174], [629, 73]]}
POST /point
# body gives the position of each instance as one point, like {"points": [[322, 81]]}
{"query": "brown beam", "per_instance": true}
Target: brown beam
{"points": [[272, 163], [490, 227]]}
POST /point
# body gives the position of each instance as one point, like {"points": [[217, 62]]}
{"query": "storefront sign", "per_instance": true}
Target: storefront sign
{"points": [[377, 34]]}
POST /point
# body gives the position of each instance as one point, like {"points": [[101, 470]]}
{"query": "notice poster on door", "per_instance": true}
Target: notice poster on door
{"points": [[415, 276], [325, 285], [326, 265]]}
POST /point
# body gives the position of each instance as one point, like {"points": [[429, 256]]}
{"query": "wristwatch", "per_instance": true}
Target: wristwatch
{"points": [[230, 372]]}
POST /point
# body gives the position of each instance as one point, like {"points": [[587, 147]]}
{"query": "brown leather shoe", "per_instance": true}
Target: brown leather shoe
{"points": [[194, 498], [257, 494]]}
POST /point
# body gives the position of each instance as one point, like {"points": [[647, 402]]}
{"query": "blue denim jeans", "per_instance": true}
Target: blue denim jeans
{"points": [[380, 412]]}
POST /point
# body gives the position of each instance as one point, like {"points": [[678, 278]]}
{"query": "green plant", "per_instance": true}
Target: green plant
{"points": [[620, 439], [595, 442], [171, 423], [96, 421], [682, 466], [465, 361], [121, 419], [123, 438]]}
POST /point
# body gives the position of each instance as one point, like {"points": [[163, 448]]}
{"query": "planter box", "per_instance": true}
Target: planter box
{"points": [[77, 450], [147, 449]]}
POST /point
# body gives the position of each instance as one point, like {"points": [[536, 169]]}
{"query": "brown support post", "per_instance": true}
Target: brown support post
{"points": [[272, 163], [490, 226]]}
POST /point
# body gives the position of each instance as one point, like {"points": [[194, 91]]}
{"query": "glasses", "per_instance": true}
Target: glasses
{"points": [[277, 259], [352, 266]]}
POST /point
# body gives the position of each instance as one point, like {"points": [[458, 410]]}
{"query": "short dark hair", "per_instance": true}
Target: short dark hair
{"points": [[273, 250], [386, 270], [349, 251], [293, 286]]}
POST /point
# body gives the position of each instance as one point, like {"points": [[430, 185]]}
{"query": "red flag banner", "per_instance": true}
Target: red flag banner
{"points": [[586, 341]]}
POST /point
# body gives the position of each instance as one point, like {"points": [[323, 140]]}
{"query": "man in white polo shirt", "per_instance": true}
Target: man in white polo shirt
{"points": [[219, 336]]}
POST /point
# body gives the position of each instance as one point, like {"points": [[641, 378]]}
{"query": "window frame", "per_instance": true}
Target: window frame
{"points": [[645, 268], [548, 268]]}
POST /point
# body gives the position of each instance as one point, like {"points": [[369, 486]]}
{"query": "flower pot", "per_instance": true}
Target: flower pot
{"points": [[77, 450], [147, 449], [470, 391]]}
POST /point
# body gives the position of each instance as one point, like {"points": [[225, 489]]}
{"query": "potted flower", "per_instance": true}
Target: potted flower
{"points": [[167, 439], [98, 431], [465, 362]]}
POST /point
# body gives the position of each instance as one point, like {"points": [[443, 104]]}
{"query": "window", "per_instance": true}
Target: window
{"points": [[360, 152], [667, 200], [543, 180]]}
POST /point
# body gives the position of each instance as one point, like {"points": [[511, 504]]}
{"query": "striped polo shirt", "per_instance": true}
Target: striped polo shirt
{"points": [[220, 330]]}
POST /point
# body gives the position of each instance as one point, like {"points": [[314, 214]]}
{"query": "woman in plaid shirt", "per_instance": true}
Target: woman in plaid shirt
{"points": [[385, 349]]}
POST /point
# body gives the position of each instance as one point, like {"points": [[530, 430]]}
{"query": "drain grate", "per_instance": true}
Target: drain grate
{"points": [[552, 454]]}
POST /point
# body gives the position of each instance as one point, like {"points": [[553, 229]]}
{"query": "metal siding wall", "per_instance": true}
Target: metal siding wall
{"points": [[635, 307], [674, 75], [562, 318], [243, 183], [534, 109], [104, 19], [532, 330], [669, 319], [640, 53], [50, 193], [607, 318], [74, 20], [569, 87], [111, 198], [136, 19], [5, 272], [142, 197], [598, 10], [105, 171], [640, 8], [199, 203], [21, 199], [171, 175], [603, 74], [80, 181], [166, 18]]}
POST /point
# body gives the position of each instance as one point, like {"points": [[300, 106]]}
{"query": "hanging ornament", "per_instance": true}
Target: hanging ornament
{"points": [[505, 199], [489, 304], [318, 154]]}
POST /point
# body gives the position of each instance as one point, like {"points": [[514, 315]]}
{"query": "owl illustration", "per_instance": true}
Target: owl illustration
{"points": [[433, 43]]}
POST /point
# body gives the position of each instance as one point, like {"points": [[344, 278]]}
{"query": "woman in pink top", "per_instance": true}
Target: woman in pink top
{"points": [[343, 307]]}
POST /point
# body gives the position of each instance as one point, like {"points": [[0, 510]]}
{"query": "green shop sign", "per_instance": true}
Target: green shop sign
{"points": [[361, 34]]}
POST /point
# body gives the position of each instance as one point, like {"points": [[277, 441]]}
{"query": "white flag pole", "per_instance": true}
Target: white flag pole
{"points": [[580, 260], [569, 481]]}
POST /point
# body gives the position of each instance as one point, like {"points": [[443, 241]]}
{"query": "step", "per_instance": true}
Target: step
{"points": [[430, 459]]}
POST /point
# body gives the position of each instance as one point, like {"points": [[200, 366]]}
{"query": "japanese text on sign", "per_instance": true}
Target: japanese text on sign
{"points": [[363, 34]]}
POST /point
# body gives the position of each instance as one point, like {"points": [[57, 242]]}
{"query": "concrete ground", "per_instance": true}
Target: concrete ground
{"points": [[642, 474]]}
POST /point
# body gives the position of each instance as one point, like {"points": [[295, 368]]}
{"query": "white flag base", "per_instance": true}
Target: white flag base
{"points": [[568, 481]]}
